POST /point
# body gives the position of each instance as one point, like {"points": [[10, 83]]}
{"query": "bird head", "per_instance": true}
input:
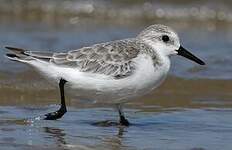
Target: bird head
{"points": [[166, 41]]}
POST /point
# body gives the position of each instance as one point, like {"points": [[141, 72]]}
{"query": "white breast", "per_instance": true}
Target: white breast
{"points": [[148, 76]]}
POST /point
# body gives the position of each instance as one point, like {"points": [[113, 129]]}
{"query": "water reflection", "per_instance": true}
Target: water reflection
{"points": [[57, 134], [115, 142], [109, 141]]}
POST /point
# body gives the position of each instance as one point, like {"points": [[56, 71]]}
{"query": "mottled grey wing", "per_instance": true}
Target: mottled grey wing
{"points": [[113, 58]]}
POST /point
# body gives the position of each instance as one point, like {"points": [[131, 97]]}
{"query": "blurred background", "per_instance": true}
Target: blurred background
{"points": [[194, 103]]}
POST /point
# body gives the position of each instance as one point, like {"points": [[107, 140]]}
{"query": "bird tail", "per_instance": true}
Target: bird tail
{"points": [[17, 54], [23, 55]]}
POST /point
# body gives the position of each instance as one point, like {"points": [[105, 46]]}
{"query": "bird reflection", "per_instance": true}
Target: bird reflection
{"points": [[58, 135], [113, 142], [121, 132]]}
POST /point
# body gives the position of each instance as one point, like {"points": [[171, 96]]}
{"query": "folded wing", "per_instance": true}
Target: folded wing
{"points": [[113, 58]]}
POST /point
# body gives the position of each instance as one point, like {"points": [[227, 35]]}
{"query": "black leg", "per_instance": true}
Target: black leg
{"points": [[59, 113], [123, 121]]}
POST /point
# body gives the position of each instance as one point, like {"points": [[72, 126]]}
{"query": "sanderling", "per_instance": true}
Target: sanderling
{"points": [[112, 72]]}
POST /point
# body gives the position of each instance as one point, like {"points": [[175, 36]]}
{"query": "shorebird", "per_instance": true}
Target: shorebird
{"points": [[113, 72]]}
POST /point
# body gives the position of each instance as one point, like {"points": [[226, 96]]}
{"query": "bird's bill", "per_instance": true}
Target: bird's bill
{"points": [[183, 52]]}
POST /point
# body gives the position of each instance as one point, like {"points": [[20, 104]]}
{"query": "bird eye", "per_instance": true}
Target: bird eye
{"points": [[165, 38]]}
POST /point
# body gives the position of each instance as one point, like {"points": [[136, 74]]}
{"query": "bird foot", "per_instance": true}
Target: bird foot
{"points": [[123, 121], [55, 115]]}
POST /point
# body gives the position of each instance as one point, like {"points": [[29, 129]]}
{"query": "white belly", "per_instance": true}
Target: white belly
{"points": [[106, 90], [103, 89]]}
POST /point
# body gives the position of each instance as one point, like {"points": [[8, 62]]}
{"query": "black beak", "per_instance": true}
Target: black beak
{"points": [[183, 52]]}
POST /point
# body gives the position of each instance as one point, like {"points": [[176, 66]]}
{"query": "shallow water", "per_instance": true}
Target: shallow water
{"points": [[168, 129], [191, 111]]}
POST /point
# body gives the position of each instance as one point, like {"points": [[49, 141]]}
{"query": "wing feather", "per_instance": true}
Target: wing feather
{"points": [[112, 58]]}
